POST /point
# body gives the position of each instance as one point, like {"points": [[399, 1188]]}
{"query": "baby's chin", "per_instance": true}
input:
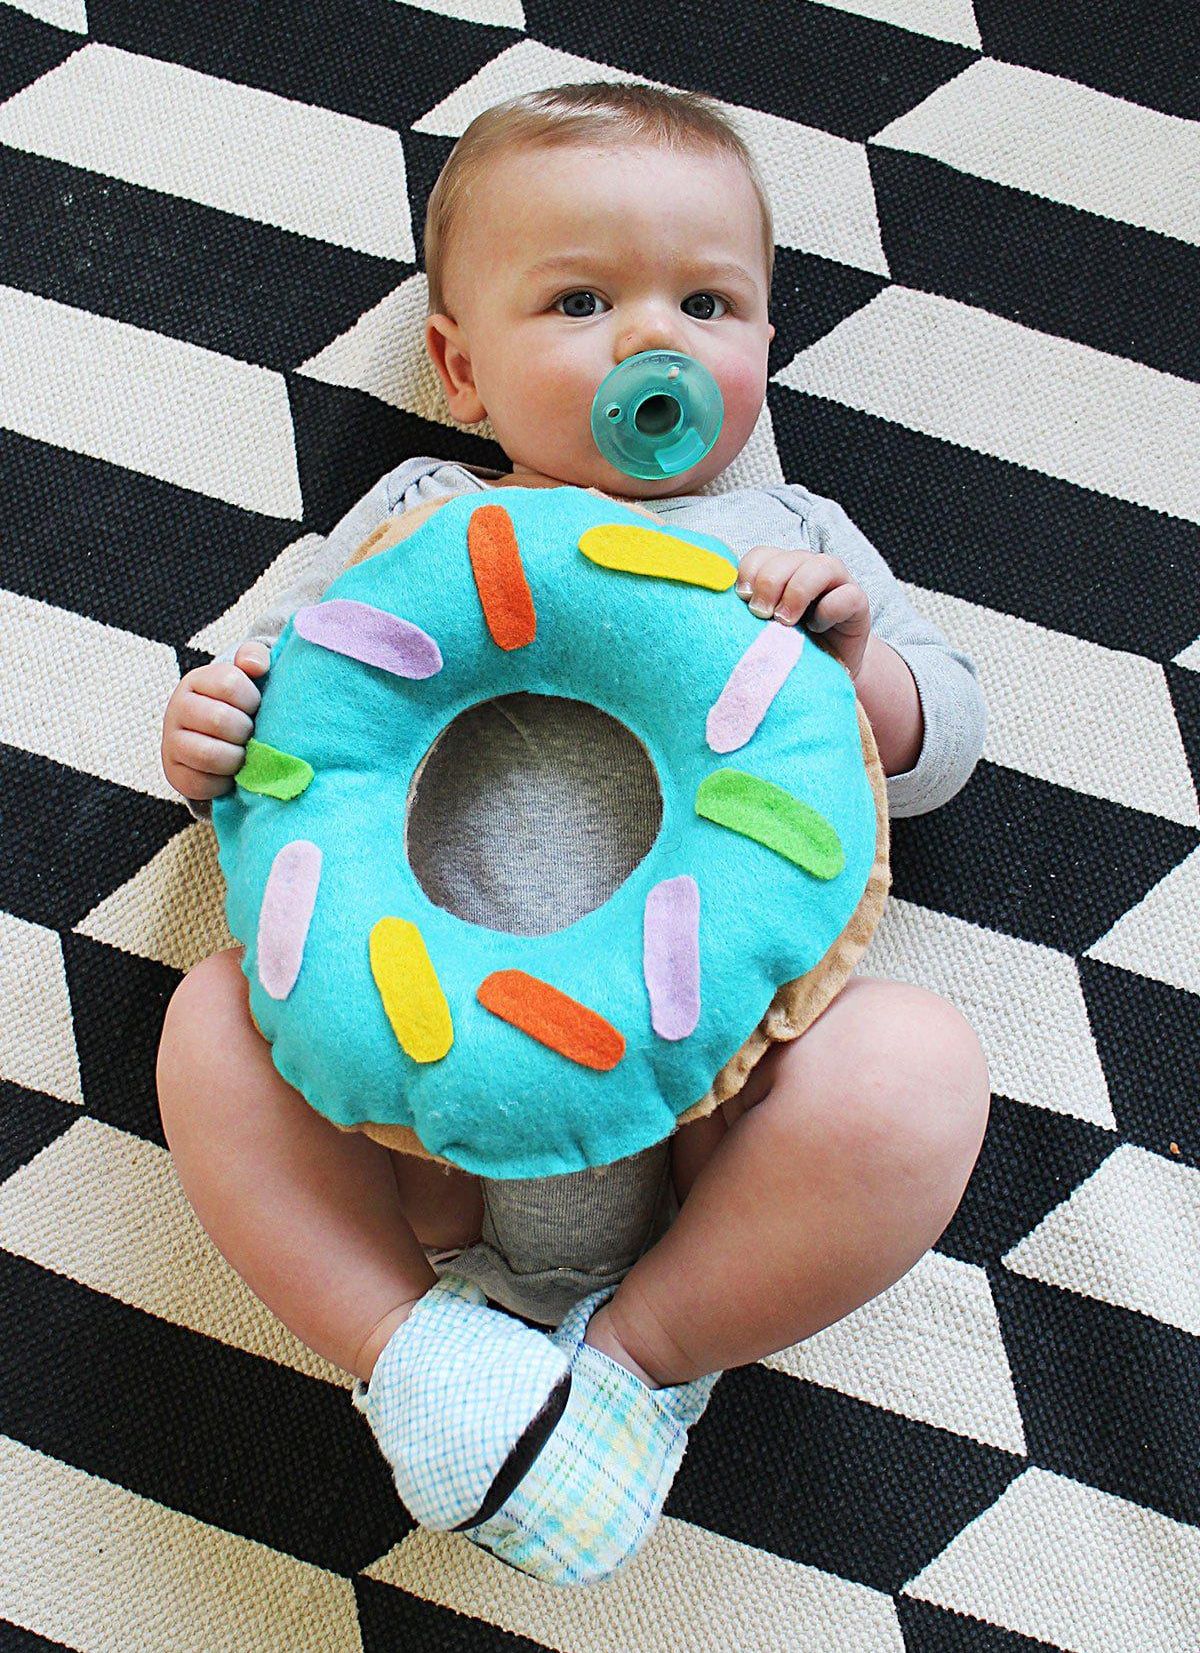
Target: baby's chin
{"points": [[575, 469], [634, 488], [615, 485]]}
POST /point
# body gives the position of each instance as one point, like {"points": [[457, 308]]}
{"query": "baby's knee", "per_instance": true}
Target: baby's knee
{"points": [[890, 1079], [923, 1076], [204, 1011]]}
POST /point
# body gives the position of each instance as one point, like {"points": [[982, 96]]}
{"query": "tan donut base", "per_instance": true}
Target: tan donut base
{"points": [[797, 1004]]}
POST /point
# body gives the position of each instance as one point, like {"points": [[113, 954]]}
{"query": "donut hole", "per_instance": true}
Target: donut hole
{"points": [[529, 811]]}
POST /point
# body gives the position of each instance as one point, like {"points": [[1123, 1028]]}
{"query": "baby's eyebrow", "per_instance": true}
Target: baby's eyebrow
{"points": [[712, 267]]}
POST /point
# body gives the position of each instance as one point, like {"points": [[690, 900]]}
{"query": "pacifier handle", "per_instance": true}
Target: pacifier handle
{"points": [[656, 414]]}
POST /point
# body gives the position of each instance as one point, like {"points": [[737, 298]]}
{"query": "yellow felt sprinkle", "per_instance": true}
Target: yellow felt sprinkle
{"points": [[271, 772], [411, 993], [649, 551]]}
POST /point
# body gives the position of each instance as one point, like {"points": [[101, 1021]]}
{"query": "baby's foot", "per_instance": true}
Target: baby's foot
{"points": [[459, 1392], [594, 1492]]}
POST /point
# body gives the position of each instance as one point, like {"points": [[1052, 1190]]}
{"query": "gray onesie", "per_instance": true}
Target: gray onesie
{"points": [[530, 811]]}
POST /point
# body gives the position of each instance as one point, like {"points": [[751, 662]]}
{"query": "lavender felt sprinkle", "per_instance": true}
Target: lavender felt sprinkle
{"points": [[285, 915], [371, 635], [671, 956], [752, 686]]}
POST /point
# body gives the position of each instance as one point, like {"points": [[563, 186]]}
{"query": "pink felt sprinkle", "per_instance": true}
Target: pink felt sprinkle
{"points": [[285, 914], [753, 684], [371, 635], [671, 956]]}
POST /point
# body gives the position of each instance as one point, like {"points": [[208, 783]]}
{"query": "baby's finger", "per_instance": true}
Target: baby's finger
{"points": [[215, 717], [763, 570], [209, 756], [769, 582], [222, 680], [816, 575], [253, 658], [749, 566], [195, 783], [846, 606], [801, 590]]}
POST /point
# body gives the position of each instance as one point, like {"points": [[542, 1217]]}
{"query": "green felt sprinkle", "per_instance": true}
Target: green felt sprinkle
{"points": [[274, 773], [763, 811]]}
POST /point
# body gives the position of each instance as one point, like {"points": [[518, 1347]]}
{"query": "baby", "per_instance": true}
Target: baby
{"points": [[569, 230]]}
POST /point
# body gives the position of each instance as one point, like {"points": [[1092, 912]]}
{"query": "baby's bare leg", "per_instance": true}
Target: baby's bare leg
{"points": [[845, 1166], [310, 1216]]}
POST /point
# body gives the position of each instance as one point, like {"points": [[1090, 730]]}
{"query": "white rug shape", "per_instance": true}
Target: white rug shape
{"points": [[1128, 1235]]}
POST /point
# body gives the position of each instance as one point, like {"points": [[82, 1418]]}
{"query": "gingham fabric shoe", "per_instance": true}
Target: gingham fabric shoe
{"points": [[595, 1490], [455, 1389]]}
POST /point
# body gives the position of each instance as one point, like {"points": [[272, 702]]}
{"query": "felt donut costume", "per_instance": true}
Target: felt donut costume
{"points": [[531, 1056]]}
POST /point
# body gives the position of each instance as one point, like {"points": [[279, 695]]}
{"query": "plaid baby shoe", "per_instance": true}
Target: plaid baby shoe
{"points": [[595, 1490], [456, 1388]]}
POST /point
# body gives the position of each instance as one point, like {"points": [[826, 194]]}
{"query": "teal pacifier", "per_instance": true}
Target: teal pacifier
{"points": [[656, 414]]}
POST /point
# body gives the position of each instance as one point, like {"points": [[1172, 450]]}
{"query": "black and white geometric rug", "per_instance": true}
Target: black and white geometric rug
{"points": [[988, 217]]}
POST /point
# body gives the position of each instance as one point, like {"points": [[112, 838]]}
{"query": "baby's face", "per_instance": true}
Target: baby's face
{"points": [[651, 250]]}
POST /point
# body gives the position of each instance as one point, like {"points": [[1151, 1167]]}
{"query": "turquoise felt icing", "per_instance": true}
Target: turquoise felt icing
{"points": [[654, 654]]}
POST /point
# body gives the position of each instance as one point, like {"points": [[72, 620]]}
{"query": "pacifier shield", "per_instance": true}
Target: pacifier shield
{"points": [[656, 414]]}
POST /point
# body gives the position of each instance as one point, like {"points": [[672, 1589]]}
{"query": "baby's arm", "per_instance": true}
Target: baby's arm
{"points": [[209, 717], [952, 703]]}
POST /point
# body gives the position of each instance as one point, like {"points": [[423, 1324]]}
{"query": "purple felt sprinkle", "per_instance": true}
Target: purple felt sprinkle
{"points": [[671, 956], [285, 914], [371, 635], [753, 684]]}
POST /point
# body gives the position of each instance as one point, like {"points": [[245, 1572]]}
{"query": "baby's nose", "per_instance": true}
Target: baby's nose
{"points": [[653, 332]]}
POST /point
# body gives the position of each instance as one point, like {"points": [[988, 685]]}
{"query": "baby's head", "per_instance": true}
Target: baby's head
{"points": [[659, 228]]}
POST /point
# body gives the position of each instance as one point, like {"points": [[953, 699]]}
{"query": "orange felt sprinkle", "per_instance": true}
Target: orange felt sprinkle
{"points": [[553, 1018], [500, 578]]}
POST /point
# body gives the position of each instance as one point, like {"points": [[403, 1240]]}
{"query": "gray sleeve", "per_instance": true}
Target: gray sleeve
{"points": [[952, 702], [326, 560]]}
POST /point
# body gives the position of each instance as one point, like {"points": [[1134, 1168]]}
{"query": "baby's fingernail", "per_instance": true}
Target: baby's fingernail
{"points": [[763, 610], [784, 615], [744, 588]]}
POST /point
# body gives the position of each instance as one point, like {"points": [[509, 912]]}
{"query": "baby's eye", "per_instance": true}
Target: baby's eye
{"points": [[583, 303], [706, 298], [581, 293]]}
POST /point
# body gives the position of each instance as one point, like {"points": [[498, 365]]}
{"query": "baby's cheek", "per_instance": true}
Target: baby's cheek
{"points": [[743, 386]]}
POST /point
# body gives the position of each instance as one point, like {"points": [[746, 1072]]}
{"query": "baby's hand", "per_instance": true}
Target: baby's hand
{"points": [[209, 719], [785, 585]]}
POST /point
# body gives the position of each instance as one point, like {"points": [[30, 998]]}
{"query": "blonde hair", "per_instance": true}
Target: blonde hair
{"points": [[626, 112]]}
